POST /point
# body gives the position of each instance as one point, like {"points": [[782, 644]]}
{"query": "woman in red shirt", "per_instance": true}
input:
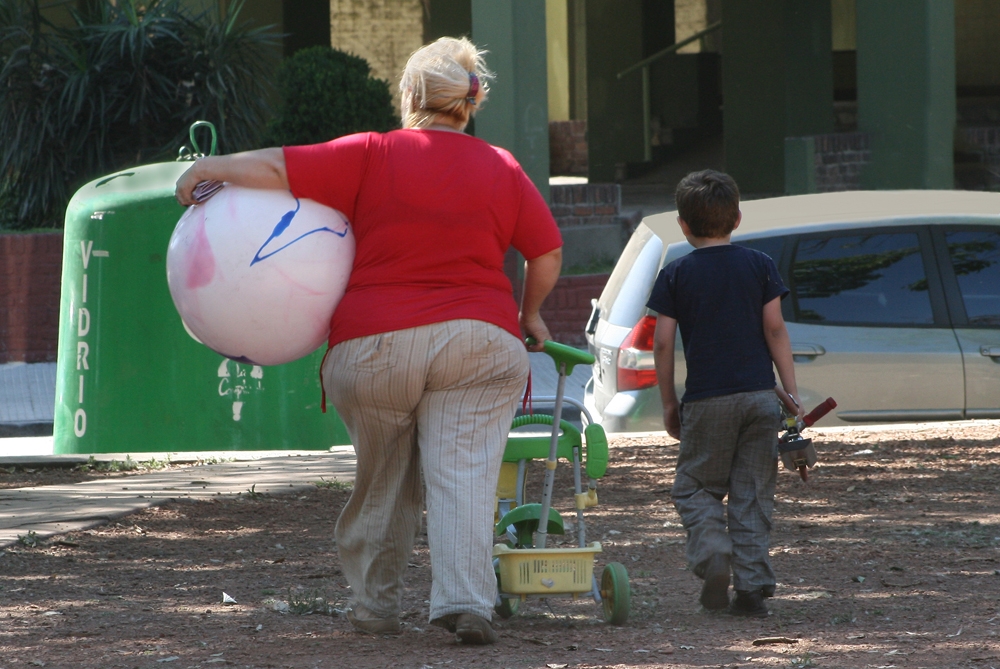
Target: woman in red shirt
{"points": [[426, 361]]}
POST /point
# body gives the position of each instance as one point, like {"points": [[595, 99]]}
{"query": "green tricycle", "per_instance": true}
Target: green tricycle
{"points": [[524, 565]]}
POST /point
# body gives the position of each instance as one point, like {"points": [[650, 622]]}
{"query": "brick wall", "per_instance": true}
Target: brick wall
{"points": [[30, 271], [567, 307], [592, 204], [593, 227], [840, 158], [568, 148], [585, 203], [383, 32], [977, 158]]}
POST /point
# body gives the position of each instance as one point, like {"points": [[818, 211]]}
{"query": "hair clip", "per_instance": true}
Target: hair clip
{"points": [[473, 89]]}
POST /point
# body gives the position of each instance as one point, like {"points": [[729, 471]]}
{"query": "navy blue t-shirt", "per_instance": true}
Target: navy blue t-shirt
{"points": [[717, 295]]}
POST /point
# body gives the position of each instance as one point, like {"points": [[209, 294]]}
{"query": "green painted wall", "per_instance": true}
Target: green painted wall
{"points": [[777, 82], [516, 115], [306, 24], [447, 18], [906, 91], [614, 107]]}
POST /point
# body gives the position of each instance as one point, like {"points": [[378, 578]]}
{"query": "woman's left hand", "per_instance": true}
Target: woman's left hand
{"points": [[534, 326]]}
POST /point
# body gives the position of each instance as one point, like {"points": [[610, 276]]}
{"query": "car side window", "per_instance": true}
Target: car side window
{"points": [[975, 257], [873, 279]]}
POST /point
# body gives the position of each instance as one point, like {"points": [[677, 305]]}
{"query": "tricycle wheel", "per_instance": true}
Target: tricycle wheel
{"points": [[507, 608], [616, 595]]}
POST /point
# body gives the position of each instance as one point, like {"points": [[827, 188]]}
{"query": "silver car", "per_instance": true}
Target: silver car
{"points": [[894, 308]]}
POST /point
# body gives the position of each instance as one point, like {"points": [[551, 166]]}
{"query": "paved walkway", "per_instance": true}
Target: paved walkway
{"points": [[57, 509], [27, 397]]}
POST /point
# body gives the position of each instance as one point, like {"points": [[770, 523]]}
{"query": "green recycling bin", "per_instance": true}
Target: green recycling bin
{"points": [[129, 378]]}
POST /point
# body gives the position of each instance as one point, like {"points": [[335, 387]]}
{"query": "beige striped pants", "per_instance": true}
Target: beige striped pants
{"points": [[439, 396]]}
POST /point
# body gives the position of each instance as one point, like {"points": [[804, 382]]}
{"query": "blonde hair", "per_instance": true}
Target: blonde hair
{"points": [[437, 81]]}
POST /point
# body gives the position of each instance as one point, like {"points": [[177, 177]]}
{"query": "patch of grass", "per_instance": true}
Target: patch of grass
{"points": [[802, 661], [215, 461], [126, 465], [308, 602], [333, 485], [253, 494], [30, 540], [842, 619], [91, 463]]}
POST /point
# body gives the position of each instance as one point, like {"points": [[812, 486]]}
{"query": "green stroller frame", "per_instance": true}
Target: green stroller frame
{"points": [[524, 565]]}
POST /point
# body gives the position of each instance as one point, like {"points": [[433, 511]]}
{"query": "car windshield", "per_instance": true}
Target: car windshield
{"points": [[624, 296]]}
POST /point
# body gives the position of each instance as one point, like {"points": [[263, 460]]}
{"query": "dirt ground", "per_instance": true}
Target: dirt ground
{"points": [[888, 557]]}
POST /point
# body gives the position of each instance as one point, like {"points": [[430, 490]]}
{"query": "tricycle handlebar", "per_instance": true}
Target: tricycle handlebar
{"points": [[561, 353]]}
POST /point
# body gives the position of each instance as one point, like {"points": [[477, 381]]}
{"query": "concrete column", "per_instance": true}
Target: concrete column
{"points": [[800, 165], [906, 91], [777, 82], [516, 115]]}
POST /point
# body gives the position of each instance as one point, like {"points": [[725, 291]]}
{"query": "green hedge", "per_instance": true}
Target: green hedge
{"points": [[326, 93]]}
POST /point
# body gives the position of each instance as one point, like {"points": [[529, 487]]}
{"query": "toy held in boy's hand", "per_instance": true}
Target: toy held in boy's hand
{"points": [[256, 274], [797, 453]]}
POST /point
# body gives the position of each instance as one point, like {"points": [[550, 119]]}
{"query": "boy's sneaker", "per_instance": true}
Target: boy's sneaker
{"points": [[715, 590], [749, 604], [365, 621]]}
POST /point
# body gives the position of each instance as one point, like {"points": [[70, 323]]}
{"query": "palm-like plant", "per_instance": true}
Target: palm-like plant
{"points": [[117, 89]]}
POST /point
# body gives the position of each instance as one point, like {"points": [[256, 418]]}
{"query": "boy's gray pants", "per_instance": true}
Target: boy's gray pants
{"points": [[729, 445]]}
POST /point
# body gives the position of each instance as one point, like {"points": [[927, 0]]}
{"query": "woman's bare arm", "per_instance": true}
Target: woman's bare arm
{"points": [[264, 168], [540, 276]]}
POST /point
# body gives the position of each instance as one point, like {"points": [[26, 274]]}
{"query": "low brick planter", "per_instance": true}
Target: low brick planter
{"points": [[30, 272]]}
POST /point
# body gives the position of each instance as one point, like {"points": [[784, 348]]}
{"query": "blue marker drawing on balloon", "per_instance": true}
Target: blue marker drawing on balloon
{"points": [[280, 228]]}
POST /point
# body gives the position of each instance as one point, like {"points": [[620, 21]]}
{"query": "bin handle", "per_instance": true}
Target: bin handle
{"points": [[194, 153], [194, 142]]}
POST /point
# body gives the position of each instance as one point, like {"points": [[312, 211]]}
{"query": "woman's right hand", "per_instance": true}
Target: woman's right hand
{"points": [[184, 190]]}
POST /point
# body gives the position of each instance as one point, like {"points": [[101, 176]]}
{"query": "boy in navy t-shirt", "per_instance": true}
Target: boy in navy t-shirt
{"points": [[727, 301]]}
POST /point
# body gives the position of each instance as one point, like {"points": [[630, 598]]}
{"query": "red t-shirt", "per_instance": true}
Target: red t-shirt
{"points": [[433, 214]]}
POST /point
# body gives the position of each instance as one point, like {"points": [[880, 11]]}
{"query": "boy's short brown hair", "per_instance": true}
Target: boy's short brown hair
{"points": [[709, 202]]}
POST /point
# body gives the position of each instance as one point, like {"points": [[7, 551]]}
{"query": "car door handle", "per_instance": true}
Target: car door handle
{"points": [[808, 349], [990, 351]]}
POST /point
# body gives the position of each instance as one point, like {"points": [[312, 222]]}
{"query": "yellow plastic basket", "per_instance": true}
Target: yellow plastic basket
{"points": [[530, 571]]}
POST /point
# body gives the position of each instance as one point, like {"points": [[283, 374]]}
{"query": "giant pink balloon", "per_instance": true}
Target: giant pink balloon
{"points": [[256, 274]]}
